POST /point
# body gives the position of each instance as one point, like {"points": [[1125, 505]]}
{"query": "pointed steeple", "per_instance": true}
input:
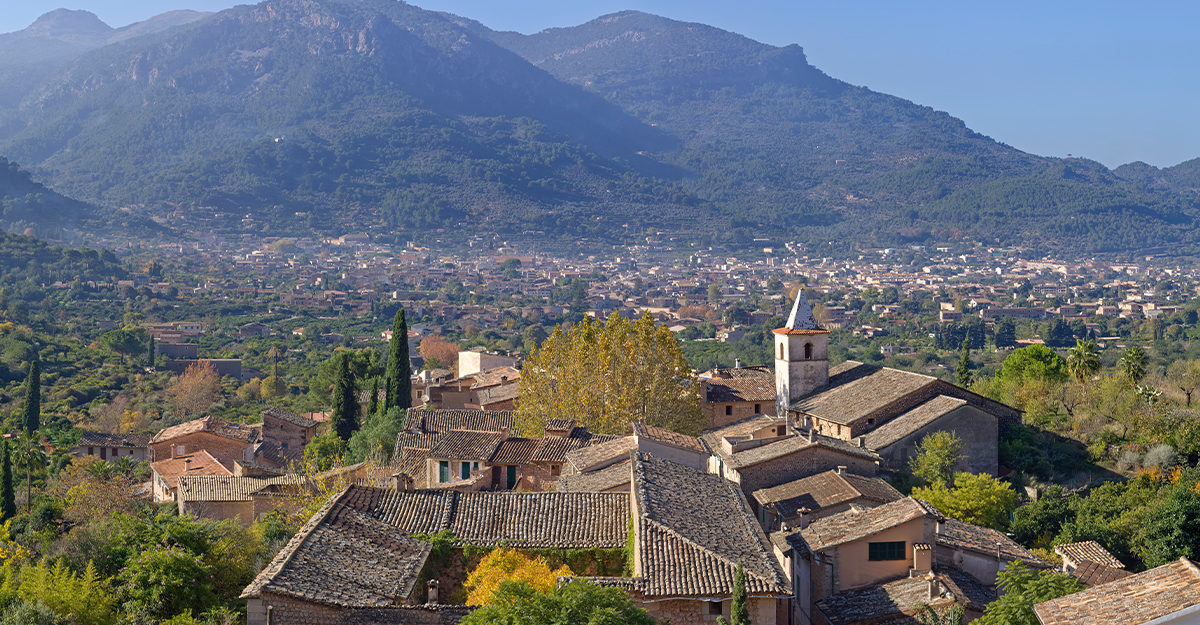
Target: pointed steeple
{"points": [[802, 315]]}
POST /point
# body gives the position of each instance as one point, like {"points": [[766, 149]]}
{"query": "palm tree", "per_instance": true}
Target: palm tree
{"points": [[28, 453], [101, 470], [124, 465], [1083, 360], [1133, 364]]}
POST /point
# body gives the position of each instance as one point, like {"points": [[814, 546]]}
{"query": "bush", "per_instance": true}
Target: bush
{"points": [[1129, 460], [1161, 456], [164, 581], [84, 599], [509, 565], [21, 613]]}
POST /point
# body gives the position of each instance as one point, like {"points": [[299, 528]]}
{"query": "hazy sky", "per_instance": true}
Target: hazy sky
{"points": [[1112, 81]]}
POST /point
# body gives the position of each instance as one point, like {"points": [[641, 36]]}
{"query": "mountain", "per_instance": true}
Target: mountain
{"points": [[339, 115]]}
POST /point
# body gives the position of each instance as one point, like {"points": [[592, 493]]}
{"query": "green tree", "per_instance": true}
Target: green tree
{"points": [[324, 452], [962, 376], [938, 455], [31, 456], [607, 376], [1133, 364], [398, 393], [1023, 588], [31, 408], [164, 580], [739, 610], [714, 293], [1083, 360], [1036, 362], [377, 439], [1038, 523], [8, 496], [372, 400], [575, 602], [1006, 332], [976, 499], [1058, 334], [1172, 530], [344, 418]]}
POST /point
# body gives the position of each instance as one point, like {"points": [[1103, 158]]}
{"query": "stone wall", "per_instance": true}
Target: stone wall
{"points": [[714, 412], [690, 611], [804, 463], [218, 447], [292, 611], [285, 433], [242, 511], [978, 430]]}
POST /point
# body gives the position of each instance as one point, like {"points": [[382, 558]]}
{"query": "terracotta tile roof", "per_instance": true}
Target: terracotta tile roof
{"points": [[534, 520], [751, 371], [560, 425], [515, 452], [413, 463], [903, 425], [852, 525], [466, 445], [497, 394], [786, 446], [1138, 598], [344, 558], [694, 529], [496, 376], [290, 417], [958, 535], [856, 390], [1093, 573], [202, 463], [272, 452], [744, 427], [667, 437], [227, 487], [208, 424], [554, 448], [587, 457], [1088, 551], [608, 478], [824, 490], [747, 389], [430, 420], [101, 439], [902, 596]]}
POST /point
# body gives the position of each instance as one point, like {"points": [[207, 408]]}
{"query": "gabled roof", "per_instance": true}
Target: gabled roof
{"points": [[667, 437], [344, 558], [856, 390], [290, 417], [199, 463], [741, 389], [429, 420], [466, 445], [101, 439], [902, 596], [1093, 574], [515, 452], [852, 525], [587, 457], [608, 478], [1088, 551], [694, 529], [958, 535], [922, 415], [1139, 598], [210, 425], [497, 394], [825, 490], [785, 446]]}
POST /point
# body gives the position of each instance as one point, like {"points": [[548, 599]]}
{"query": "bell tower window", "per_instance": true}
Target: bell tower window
{"points": [[781, 351], [808, 351]]}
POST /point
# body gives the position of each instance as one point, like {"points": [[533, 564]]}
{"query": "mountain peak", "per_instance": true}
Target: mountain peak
{"points": [[61, 21]]}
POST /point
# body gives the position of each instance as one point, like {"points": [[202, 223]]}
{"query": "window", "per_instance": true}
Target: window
{"points": [[511, 477], [781, 351], [808, 351], [464, 470], [757, 408], [285, 445], [103, 453], [728, 410], [443, 471], [554, 469], [90, 451], [714, 608], [886, 551]]}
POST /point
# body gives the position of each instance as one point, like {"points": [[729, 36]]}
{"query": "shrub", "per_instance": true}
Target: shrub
{"points": [[1161, 456], [21, 613], [84, 599], [163, 581], [1129, 460], [505, 565]]}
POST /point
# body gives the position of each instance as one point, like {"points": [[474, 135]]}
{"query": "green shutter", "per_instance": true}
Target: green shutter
{"points": [[443, 471]]}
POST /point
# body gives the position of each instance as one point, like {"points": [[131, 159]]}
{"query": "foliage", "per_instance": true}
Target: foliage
{"points": [[399, 371], [938, 456], [1036, 362], [1133, 364], [165, 580], [606, 376], [577, 602], [324, 451], [1036, 524], [962, 375], [510, 565], [1172, 529], [85, 599], [1161, 456], [439, 353], [31, 408], [951, 616], [344, 418], [378, 438], [195, 390], [8, 501], [976, 499], [1083, 360], [1023, 588]]}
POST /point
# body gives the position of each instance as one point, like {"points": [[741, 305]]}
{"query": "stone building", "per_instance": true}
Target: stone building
{"points": [[797, 503], [222, 439], [112, 446], [1166, 595], [728, 395], [287, 429]]}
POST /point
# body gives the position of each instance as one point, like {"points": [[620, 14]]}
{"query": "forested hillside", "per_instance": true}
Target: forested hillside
{"points": [[331, 116]]}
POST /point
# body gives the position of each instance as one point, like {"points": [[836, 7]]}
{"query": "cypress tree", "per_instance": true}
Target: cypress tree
{"points": [[345, 400], [962, 376], [31, 411], [8, 496], [398, 385], [739, 610], [373, 400]]}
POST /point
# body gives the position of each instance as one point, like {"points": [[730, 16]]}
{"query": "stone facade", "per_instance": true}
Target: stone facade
{"points": [[287, 435], [721, 414], [242, 511], [272, 609], [220, 447], [801, 365], [803, 463], [763, 611], [978, 430]]}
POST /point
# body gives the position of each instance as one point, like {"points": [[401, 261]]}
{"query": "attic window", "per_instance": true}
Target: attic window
{"points": [[870, 422], [757, 408]]}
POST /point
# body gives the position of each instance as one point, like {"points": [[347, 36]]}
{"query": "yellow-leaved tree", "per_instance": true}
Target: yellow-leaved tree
{"points": [[605, 376], [510, 565]]}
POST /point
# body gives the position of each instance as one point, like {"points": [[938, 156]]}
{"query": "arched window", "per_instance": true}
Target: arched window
{"points": [[781, 351], [808, 351]]}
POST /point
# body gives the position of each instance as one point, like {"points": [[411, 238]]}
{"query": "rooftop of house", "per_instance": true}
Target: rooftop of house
{"points": [[694, 530], [608, 478], [922, 415], [431, 420], [856, 390], [778, 447], [1139, 598], [289, 417], [667, 437], [825, 490], [851, 525], [515, 451], [102, 439], [587, 457], [753, 371], [273, 452], [740, 389], [344, 558], [956, 534], [1088, 551], [465, 445], [497, 394], [209, 424], [1093, 573], [199, 463], [903, 596]]}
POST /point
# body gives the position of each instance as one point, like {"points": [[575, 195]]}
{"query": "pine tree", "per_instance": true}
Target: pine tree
{"points": [[8, 496], [31, 411], [398, 385], [962, 376], [345, 400]]}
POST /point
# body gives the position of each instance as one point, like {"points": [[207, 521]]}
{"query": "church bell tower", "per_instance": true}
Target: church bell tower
{"points": [[801, 356]]}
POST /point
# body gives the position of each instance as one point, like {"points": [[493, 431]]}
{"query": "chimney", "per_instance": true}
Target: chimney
{"points": [[174, 453], [811, 431], [433, 591], [804, 512], [187, 465], [841, 470], [737, 363], [934, 591]]}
